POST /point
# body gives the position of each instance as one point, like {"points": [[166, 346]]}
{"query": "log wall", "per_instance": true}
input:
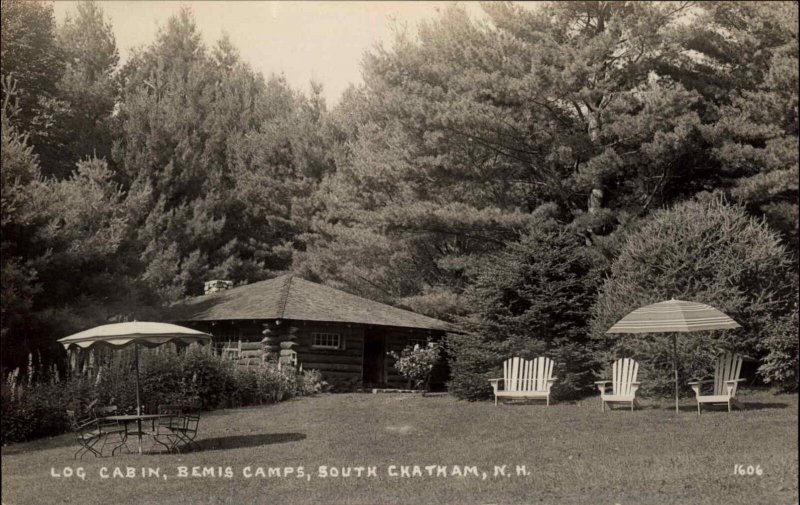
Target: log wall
{"points": [[344, 363], [339, 363]]}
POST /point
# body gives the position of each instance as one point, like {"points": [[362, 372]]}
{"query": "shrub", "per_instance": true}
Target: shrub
{"points": [[164, 380], [31, 410], [210, 376], [534, 299], [79, 393], [116, 385], [277, 384], [416, 362], [38, 414], [195, 378], [247, 388], [779, 366], [344, 384], [310, 382], [473, 361], [707, 251]]}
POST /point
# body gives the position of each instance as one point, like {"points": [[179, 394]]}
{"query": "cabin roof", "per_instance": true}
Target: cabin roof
{"points": [[291, 297]]}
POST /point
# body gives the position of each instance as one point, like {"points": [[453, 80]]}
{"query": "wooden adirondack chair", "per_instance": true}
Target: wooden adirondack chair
{"points": [[525, 379], [623, 384], [726, 379]]}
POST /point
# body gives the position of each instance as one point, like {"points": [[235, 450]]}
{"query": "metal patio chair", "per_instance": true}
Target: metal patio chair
{"points": [[110, 429], [87, 433], [188, 432], [168, 428]]}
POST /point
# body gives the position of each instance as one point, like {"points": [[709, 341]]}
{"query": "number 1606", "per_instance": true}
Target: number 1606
{"points": [[747, 470]]}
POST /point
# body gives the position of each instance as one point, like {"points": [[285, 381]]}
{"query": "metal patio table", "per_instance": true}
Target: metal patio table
{"points": [[129, 418]]}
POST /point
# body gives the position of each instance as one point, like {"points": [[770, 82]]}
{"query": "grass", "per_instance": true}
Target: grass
{"points": [[573, 452]]}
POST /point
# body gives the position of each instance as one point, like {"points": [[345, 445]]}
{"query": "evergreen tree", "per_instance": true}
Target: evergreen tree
{"points": [[459, 138], [88, 86], [31, 56], [750, 52], [533, 299], [707, 251], [19, 168], [222, 154]]}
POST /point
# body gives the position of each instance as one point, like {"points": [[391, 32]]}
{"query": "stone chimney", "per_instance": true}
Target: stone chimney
{"points": [[216, 286]]}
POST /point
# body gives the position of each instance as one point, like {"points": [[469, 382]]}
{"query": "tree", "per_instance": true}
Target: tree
{"points": [[750, 51], [209, 164], [533, 299], [704, 250], [64, 81], [30, 55], [780, 364], [222, 153], [66, 246], [19, 168], [88, 86], [459, 137], [60, 240]]}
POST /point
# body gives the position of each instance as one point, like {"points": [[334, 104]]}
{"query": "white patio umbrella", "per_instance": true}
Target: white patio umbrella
{"points": [[674, 316], [136, 334]]}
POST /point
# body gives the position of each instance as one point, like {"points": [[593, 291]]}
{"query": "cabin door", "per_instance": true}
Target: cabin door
{"points": [[374, 357]]}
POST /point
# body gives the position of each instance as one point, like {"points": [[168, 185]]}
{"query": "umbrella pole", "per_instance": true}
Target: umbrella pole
{"points": [[136, 365], [675, 366], [138, 402]]}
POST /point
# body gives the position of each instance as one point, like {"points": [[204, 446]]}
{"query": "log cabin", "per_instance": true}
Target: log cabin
{"points": [[345, 337]]}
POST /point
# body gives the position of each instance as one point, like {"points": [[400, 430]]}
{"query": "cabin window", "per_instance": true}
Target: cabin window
{"points": [[327, 341]]}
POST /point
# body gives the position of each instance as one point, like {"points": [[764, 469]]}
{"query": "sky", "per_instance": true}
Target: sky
{"points": [[324, 41]]}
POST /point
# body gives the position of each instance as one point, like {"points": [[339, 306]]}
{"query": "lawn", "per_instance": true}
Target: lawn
{"points": [[572, 453]]}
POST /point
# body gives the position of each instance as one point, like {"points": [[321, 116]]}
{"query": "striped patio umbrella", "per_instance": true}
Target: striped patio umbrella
{"points": [[674, 316], [135, 333]]}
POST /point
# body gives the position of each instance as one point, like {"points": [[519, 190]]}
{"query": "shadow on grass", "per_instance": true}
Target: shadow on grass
{"points": [[746, 406], [522, 404], [241, 441], [764, 406], [208, 444]]}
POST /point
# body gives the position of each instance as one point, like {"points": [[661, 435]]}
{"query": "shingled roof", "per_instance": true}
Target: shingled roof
{"points": [[291, 297]]}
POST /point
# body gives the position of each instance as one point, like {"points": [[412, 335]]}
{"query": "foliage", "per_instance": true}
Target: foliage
{"points": [[211, 375], [311, 382], [416, 362], [66, 90], [88, 88], [31, 56], [473, 361], [35, 402], [344, 384], [749, 70], [165, 379], [276, 384], [532, 300], [33, 413], [222, 154], [125, 187], [19, 167], [247, 387], [594, 113], [703, 250], [52, 231], [192, 189], [780, 365], [463, 134]]}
